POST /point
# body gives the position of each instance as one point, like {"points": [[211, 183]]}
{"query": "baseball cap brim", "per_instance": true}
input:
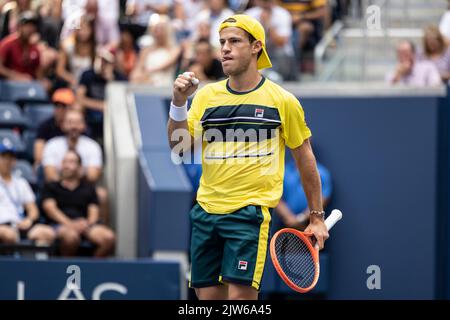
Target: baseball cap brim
{"points": [[253, 27], [4, 149], [264, 60]]}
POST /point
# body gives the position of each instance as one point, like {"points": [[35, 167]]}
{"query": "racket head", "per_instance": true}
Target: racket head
{"points": [[295, 259]]}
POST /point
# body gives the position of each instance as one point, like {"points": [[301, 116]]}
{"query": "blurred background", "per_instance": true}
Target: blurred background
{"points": [[90, 196]]}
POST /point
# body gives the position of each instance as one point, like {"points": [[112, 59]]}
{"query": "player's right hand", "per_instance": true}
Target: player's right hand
{"points": [[183, 88]]}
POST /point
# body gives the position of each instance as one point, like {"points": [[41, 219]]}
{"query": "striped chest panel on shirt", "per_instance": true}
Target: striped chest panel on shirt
{"points": [[243, 122]]}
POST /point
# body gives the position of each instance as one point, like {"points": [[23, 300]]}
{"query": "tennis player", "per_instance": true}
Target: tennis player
{"points": [[244, 123]]}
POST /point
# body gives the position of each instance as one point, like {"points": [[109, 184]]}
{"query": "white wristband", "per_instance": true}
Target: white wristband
{"points": [[178, 113]]}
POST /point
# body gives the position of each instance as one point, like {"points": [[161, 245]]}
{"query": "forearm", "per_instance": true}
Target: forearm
{"points": [[65, 75], [93, 174], [306, 164], [178, 134], [32, 212], [315, 14], [93, 214], [54, 213], [8, 73], [93, 104], [311, 184]]}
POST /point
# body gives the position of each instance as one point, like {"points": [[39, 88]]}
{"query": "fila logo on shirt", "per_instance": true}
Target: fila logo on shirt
{"points": [[259, 113], [242, 265]]}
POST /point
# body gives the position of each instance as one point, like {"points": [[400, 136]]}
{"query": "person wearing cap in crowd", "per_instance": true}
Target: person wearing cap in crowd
{"points": [[62, 99], [244, 123], [18, 211], [19, 55], [92, 90]]}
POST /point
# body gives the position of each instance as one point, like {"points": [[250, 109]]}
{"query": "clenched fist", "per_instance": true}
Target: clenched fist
{"points": [[185, 85]]}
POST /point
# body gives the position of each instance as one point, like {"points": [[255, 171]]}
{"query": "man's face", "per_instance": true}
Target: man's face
{"points": [[59, 112], [216, 5], [7, 162], [405, 53], [265, 4], [73, 125], [236, 50], [70, 166], [27, 30]]}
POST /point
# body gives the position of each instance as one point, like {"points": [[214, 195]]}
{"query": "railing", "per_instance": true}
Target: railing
{"points": [[330, 54]]}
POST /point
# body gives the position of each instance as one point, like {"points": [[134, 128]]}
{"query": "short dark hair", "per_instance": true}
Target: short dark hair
{"points": [[80, 162], [252, 39]]}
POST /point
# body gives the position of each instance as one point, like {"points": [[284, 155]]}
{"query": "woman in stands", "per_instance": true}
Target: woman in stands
{"points": [[436, 51], [77, 53], [157, 63]]}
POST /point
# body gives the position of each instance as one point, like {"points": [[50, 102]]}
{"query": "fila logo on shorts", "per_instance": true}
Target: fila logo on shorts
{"points": [[242, 265]]}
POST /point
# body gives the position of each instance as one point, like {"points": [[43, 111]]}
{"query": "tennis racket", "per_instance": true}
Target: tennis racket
{"points": [[295, 258]]}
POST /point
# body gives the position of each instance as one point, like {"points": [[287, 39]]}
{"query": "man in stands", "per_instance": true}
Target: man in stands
{"points": [[72, 206], [18, 211]]}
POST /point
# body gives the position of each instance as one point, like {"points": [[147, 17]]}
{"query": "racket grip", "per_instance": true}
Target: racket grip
{"points": [[334, 217]]}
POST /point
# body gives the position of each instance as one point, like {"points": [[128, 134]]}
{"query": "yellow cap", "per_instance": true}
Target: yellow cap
{"points": [[252, 26]]}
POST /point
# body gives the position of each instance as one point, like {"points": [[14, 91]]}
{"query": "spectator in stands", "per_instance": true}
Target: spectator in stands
{"points": [[92, 90], [18, 212], [77, 53], [72, 206], [212, 16], [308, 19], [50, 13], [140, 11], [293, 207], [205, 66], [90, 151], [277, 21], [157, 63], [410, 71], [105, 14], [10, 16], [73, 127], [62, 99], [444, 24], [185, 12], [126, 55], [19, 55], [436, 51]]}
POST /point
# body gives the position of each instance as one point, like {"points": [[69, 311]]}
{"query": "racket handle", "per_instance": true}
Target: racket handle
{"points": [[334, 217]]}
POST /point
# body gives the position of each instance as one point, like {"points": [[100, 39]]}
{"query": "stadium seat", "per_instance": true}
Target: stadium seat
{"points": [[37, 113], [24, 169], [28, 138], [11, 116], [23, 92], [12, 138]]}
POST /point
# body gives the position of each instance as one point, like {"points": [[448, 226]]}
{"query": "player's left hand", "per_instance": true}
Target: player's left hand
{"points": [[318, 228]]}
